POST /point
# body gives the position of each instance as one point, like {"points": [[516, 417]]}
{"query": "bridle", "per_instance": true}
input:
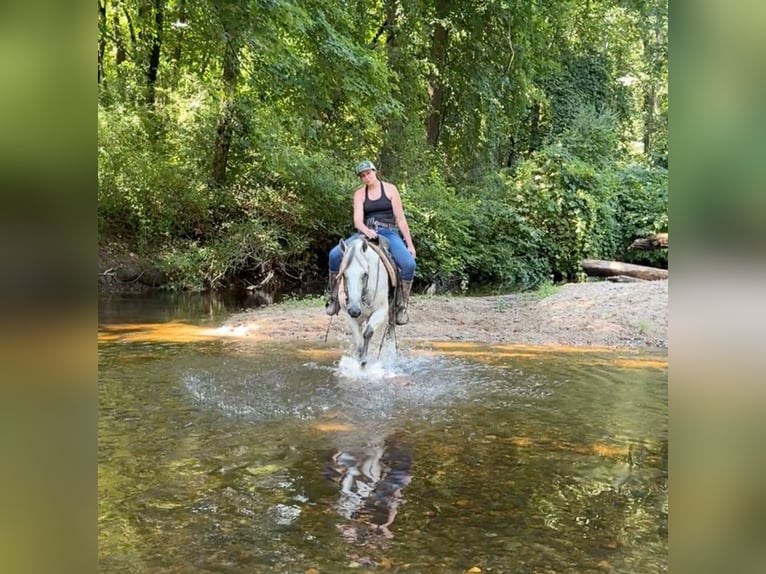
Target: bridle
{"points": [[366, 299]]}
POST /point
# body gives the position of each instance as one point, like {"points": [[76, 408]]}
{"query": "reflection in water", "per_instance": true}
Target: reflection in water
{"points": [[371, 480]]}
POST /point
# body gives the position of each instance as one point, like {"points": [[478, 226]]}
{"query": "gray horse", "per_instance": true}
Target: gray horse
{"points": [[365, 281]]}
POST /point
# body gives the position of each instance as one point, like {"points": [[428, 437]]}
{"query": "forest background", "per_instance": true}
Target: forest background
{"points": [[523, 136]]}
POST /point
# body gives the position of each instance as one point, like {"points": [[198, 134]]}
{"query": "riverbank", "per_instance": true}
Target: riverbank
{"points": [[591, 314]]}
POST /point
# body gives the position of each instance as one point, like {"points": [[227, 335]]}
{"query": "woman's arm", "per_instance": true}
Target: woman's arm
{"points": [[359, 215], [401, 220]]}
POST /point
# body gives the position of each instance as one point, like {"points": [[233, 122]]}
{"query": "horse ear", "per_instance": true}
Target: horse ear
{"points": [[364, 246], [343, 246]]}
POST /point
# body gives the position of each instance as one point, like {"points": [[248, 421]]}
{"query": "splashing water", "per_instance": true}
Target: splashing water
{"points": [[385, 368], [389, 386]]}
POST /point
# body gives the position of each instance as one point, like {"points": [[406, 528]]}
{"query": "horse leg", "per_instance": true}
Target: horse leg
{"points": [[368, 332], [359, 342], [376, 320]]}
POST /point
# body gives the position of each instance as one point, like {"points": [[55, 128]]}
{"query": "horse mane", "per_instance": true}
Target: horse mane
{"points": [[353, 249]]}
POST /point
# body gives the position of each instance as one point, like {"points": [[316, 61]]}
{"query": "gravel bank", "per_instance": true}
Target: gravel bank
{"points": [[591, 314]]}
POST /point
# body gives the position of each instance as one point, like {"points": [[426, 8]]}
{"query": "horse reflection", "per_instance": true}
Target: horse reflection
{"points": [[371, 481]]}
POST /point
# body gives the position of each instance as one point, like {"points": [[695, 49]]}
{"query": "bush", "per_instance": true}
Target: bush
{"points": [[440, 224], [148, 189], [642, 211], [253, 251]]}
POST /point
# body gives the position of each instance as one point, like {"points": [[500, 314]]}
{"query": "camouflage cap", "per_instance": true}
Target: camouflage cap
{"points": [[365, 166]]}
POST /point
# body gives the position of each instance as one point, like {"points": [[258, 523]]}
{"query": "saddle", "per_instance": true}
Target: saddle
{"points": [[381, 247]]}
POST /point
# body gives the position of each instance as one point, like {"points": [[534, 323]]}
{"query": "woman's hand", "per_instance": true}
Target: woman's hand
{"points": [[411, 249]]}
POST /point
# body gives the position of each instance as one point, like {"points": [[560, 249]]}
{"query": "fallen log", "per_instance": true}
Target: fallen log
{"points": [[656, 241], [601, 268]]}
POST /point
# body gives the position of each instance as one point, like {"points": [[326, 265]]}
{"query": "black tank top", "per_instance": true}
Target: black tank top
{"points": [[380, 209]]}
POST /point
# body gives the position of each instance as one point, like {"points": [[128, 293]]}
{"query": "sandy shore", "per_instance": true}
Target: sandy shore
{"points": [[592, 314]]}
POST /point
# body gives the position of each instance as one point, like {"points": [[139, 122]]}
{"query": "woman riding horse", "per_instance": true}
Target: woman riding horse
{"points": [[378, 211]]}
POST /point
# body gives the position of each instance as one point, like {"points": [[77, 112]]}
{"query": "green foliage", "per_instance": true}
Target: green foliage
{"points": [[234, 160], [438, 218], [583, 80], [643, 210], [571, 205], [546, 289], [507, 250], [591, 136], [149, 189], [253, 249]]}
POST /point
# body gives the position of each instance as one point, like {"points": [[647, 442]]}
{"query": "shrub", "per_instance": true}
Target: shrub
{"points": [[642, 210]]}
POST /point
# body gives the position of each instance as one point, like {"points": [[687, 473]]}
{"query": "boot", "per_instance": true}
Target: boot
{"points": [[402, 318], [332, 306]]}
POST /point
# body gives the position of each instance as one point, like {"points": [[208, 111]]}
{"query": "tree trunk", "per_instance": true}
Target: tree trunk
{"points": [[652, 39], [154, 56], [225, 127], [436, 78], [120, 54], [389, 152], [650, 107], [535, 138], [101, 38], [131, 28], [224, 132], [178, 51], [600, 268], [656, 241]]}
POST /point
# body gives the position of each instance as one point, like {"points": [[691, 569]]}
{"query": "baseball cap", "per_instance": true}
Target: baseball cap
{"points": [[365, 166]]}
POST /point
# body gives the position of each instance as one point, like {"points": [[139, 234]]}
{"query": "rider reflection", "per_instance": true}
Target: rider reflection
{"points": [[371, 483]]}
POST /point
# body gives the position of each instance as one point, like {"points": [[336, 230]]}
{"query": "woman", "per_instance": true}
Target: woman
{"points": [[378, 211]]}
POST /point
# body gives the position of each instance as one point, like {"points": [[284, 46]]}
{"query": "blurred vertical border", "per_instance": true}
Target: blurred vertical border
{"points": [[48, 408], [718, 286]]}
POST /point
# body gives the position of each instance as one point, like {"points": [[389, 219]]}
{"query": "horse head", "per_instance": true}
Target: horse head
{"points": [[356, 274]]}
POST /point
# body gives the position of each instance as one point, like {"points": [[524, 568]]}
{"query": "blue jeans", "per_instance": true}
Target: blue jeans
{"points": [[404, 259]]}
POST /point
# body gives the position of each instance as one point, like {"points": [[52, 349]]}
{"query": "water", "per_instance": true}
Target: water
{"points": [[219, 455]]}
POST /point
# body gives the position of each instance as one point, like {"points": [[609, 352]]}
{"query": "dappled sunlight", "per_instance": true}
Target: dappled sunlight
{"points": [[380, 369], [334, 427], [247, 426], [598, 449], [510, 349], [178, 332], [644, 363], [489, 354], [170, 332], [319, 354]]}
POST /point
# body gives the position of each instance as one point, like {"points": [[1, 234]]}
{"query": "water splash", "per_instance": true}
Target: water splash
{"points": [[394, 385], [375, 371]]}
